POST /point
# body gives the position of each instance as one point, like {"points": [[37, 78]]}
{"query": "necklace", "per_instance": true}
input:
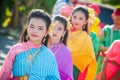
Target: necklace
{"points": [[30, 56], [58, 46], [55, 45]]}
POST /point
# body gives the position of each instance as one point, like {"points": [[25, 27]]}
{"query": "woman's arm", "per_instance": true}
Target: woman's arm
{"points": [[6, 69], [103, 49], [103, 76], [116, 76]]}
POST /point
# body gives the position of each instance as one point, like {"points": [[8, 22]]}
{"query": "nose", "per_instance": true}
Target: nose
{"points": [[53, 32], [34, 30], [77, 21]]}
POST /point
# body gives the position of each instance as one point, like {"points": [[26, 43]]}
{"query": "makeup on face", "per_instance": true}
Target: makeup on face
{"points": [[36, 29], [57, 31], [78, 19]]}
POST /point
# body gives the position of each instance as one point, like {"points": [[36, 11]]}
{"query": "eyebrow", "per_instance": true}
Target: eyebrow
{"points": [[38, 26]]}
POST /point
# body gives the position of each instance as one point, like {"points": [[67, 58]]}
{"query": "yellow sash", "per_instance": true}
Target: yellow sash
{"points": [[81, 47]]}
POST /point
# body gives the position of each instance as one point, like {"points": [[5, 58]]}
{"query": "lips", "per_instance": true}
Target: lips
{"points": [[33, 35], [54, 35], [76, 24]]}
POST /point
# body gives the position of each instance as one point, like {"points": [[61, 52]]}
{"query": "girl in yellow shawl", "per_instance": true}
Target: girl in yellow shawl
{"points": [[80, 44]]}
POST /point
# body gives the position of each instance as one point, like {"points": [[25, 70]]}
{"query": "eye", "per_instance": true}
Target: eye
{"points": [[59, 29], [31, 26], [74, 17], [40, 28], [80, 18]]}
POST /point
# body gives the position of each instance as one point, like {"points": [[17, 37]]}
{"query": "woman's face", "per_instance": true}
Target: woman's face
{"points": [[57, 32], [78, 20], [116, 20], [36, 29]]}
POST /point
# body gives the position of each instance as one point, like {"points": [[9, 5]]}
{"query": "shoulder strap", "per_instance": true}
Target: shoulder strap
{"points": [[111, 34]]}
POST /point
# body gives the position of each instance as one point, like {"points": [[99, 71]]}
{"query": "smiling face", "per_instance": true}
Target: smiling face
{"points": [[57, 32], [78, 20], [36, 29]]}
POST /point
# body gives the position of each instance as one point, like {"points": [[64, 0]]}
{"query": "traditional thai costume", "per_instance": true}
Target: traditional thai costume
{"points": [[113, 65], [110, 35], [64, 60], [94, 42], [35, 62], [80, 44]]}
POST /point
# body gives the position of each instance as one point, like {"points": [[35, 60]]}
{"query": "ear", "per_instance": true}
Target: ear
{"points": [[85, 22], [64, 33]]}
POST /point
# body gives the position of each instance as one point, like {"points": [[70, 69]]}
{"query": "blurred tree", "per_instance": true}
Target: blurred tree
{"points": [[36, 4], [112, 2], [20, 9], [5, 7]]}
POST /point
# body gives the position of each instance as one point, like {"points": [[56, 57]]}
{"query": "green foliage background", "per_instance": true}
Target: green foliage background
{"points": [[7, 10], [14, 12]]}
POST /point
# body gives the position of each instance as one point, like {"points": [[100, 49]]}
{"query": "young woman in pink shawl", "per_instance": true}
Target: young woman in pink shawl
{"points": [[111, 64]]}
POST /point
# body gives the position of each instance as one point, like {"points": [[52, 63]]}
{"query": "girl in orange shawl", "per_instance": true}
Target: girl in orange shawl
{"points": [[80, 44]]}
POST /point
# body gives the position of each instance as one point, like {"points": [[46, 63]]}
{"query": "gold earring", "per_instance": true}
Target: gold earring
{"points": [[62, 39], [44, 38], [27, 37], [83, 26]]}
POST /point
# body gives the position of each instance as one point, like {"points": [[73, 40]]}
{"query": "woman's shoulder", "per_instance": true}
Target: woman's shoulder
{"points": [[116, 43], [17, 45], [107, 27], [17, 48], [46, 50]]}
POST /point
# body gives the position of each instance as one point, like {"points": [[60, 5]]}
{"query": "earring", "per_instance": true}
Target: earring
{"points": [[27, 37], [62, 38], [44, 38], [83, 27]]}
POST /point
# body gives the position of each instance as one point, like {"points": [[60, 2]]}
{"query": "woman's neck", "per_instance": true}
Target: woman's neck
{"points": [[53, 44], [116, 27], [36, 43], [55, 41], [79, 29]]}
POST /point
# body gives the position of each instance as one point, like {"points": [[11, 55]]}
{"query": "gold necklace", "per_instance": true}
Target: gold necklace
{"points": [[30, 56]]}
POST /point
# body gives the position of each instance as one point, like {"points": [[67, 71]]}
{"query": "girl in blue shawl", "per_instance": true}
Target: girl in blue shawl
{"points": [[30, 59]]}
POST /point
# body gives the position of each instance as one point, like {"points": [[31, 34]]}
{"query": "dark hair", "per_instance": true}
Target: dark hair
{"points": [[36, 13], [85, 11], [63, 20]]}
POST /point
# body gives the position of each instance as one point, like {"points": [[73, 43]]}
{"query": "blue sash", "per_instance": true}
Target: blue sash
{"points": [[43, 68]]}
